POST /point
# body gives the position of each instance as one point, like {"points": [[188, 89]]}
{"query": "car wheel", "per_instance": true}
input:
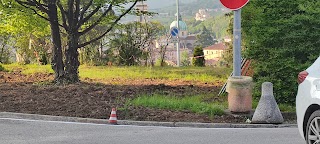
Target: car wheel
{"points": [[313, 128]]}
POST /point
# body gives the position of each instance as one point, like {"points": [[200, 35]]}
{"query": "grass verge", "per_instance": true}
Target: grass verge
{"points": [[192, 104]]}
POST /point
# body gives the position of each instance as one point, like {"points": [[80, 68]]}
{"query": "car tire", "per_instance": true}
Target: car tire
{"points": [[313, 128]]}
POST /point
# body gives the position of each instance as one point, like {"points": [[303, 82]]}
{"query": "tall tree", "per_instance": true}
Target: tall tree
{"points": [[204, 38], [76, 19]]}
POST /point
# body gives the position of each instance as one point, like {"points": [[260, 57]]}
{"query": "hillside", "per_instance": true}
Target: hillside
{"points": [[157, 4], [166, 10], [189, 8]]}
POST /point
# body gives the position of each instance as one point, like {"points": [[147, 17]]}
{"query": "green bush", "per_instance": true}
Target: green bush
{"points": [[281, 41], [283, 76]]}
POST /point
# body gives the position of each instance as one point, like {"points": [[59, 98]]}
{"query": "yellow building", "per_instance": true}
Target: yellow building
{"points": [[213, 53]]}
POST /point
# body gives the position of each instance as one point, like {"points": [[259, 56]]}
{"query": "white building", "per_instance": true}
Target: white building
{"points": [[202, 15]]}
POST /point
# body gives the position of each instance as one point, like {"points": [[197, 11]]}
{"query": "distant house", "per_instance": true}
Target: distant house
{"points": [[227, 39], [202, 15], [213, 53]]}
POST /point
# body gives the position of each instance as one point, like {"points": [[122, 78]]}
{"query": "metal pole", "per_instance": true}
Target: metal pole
{"points": [[237, 43], [178, 42]]}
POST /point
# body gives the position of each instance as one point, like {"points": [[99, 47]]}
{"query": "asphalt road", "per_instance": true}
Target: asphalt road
{"points": [[14, 131]]}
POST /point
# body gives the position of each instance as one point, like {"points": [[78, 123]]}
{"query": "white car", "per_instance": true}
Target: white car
{"points": [[308, 103]]}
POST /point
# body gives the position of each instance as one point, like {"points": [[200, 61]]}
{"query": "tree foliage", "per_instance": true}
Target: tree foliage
{"points": [[131, 43], [227, 57], [23, 32], [281, 37], [76, 18], [204, 38]]}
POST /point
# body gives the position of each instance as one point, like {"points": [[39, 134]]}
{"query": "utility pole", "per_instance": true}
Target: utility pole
{"points": [[178, 42]]}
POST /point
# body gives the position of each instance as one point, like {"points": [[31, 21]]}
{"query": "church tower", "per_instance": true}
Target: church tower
{"points": [[183, 31]]}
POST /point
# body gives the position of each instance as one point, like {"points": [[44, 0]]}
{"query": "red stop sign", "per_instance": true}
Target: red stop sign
{"points": [[234, 4]]}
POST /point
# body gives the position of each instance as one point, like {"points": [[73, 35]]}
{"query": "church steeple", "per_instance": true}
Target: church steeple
{"points": [[180, 17]]}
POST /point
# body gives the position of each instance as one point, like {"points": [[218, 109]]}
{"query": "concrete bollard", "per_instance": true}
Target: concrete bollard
{"points": [[239, 94], [267, 110]]}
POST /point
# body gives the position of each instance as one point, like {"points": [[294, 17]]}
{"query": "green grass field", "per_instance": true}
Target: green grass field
{"points": [[206, 74], [201, 74]]}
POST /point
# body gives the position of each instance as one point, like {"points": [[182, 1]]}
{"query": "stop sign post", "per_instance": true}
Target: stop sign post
{"points": [[236, 6]]}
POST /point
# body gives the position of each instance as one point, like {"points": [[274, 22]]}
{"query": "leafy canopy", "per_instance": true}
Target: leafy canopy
{"points": [[282, 39]]}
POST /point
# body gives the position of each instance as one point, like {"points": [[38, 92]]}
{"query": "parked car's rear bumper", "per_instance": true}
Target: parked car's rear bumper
{"points": [[301, 107]]}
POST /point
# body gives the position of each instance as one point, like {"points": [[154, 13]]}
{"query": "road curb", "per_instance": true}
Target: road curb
{"points": [[140, 123]]}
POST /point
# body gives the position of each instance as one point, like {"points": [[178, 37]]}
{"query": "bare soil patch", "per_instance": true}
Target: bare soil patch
{"points": [[94, 99]]}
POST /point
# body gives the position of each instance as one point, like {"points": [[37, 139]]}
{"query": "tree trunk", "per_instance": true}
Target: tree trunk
{"points": [[57, 62], [162, 52], [72, 62]]}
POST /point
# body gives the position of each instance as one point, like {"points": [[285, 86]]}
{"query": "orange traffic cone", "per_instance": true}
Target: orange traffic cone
{"points": [[113, 117]]}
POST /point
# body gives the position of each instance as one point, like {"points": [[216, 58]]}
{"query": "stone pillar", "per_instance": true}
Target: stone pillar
{"points": [[267, 110], [239, 90]]}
